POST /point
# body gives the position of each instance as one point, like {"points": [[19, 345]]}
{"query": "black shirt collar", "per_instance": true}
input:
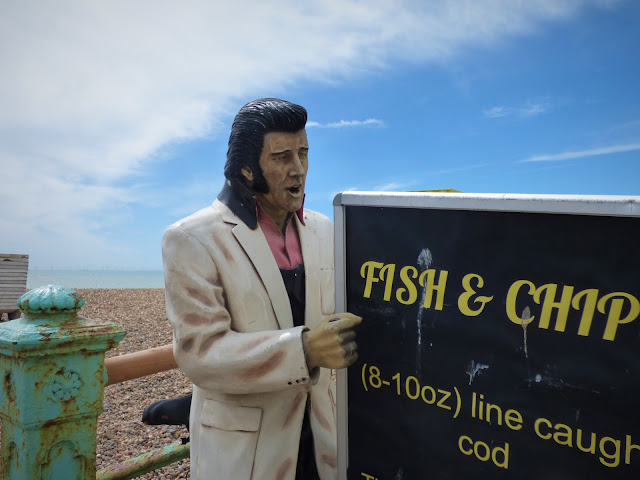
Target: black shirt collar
{"points": [[240, 201]]}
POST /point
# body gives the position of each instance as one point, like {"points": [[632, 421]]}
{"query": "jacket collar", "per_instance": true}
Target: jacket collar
{"points": [[242, 202]]}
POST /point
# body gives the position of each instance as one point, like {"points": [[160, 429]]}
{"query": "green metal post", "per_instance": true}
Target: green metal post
{"points": [[52, 368]]}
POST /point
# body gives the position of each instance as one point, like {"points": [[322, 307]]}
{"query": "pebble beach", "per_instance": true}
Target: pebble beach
{"points": [[121, 434]]}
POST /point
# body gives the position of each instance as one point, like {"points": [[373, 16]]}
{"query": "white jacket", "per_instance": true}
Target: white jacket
{"points": [[234, 338]]}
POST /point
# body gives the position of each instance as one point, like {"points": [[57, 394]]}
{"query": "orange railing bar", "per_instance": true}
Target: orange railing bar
{"points": [[139, 364]]}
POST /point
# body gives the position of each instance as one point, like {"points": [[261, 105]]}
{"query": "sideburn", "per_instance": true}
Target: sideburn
{"points": [[259, 182]]}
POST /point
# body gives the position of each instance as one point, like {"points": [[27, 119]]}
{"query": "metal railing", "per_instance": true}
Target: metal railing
{"points": [[128, 367], [54, 373]]}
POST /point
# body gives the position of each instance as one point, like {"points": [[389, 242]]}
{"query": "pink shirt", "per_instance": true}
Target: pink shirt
{"points": [[285, 248]]}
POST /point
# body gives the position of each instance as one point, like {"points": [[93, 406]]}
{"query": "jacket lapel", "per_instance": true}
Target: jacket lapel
{"points": [[257, 249], [310, 249]]}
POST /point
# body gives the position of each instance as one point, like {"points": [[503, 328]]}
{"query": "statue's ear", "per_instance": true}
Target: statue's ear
{"points": [[247, 174]]}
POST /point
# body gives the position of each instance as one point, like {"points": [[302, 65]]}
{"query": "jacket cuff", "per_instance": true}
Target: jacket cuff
{"points": [[314, 373]]}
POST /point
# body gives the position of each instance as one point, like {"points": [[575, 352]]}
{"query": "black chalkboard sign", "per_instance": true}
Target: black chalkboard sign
{"points": [[501, 336]]}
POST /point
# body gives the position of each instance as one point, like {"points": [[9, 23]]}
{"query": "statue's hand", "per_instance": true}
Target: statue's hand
{"points": [[331, 343]]}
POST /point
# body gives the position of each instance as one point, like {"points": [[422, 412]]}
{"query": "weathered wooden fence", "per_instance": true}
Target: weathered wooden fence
{"points": [[13, 282], [52, 362]]}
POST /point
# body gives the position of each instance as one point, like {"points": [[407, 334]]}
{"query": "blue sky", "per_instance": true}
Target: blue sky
{"points": [[115, 115]]}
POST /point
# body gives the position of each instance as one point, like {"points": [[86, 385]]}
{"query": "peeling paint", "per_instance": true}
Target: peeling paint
{"points": [[526, 315], [560, 384], [474, 369], [52, 366], [425, 259], [147, 462]]}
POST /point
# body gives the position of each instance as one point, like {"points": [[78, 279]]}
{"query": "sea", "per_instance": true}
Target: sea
{"points": [[96, 278]]}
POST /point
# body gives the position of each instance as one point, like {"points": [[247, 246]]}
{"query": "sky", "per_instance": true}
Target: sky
{"points": [[115, 116]]}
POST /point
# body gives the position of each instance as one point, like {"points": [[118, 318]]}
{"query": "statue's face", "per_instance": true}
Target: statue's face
{"points": [[284, 165]]}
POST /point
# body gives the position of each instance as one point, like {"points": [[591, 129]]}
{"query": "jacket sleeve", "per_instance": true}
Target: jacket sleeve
{"points": [[211, 354]]}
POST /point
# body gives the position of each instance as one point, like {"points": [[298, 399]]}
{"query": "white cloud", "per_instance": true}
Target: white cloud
{"points": [[556, 157], [392, 186], [496, 112], [529, 109], [91, 92], [369, 122]]}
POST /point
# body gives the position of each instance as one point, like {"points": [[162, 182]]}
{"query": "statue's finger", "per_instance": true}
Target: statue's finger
{"points": [[346, 336]]}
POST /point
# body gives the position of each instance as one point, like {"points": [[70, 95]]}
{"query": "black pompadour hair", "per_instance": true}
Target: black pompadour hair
{"points": [[252, 123]]}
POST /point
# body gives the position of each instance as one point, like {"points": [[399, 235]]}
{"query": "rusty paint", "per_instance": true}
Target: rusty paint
{"points": [[147, 462], [48, 423], [99, 377], [284, 468], [71, 321], [322, 420], [53, 409], [294, 408], [60, 360], [57, 438], [9, 387], [265, 367]]}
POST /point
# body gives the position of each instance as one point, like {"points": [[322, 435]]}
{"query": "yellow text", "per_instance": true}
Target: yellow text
{"points": [[559, 301]]}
